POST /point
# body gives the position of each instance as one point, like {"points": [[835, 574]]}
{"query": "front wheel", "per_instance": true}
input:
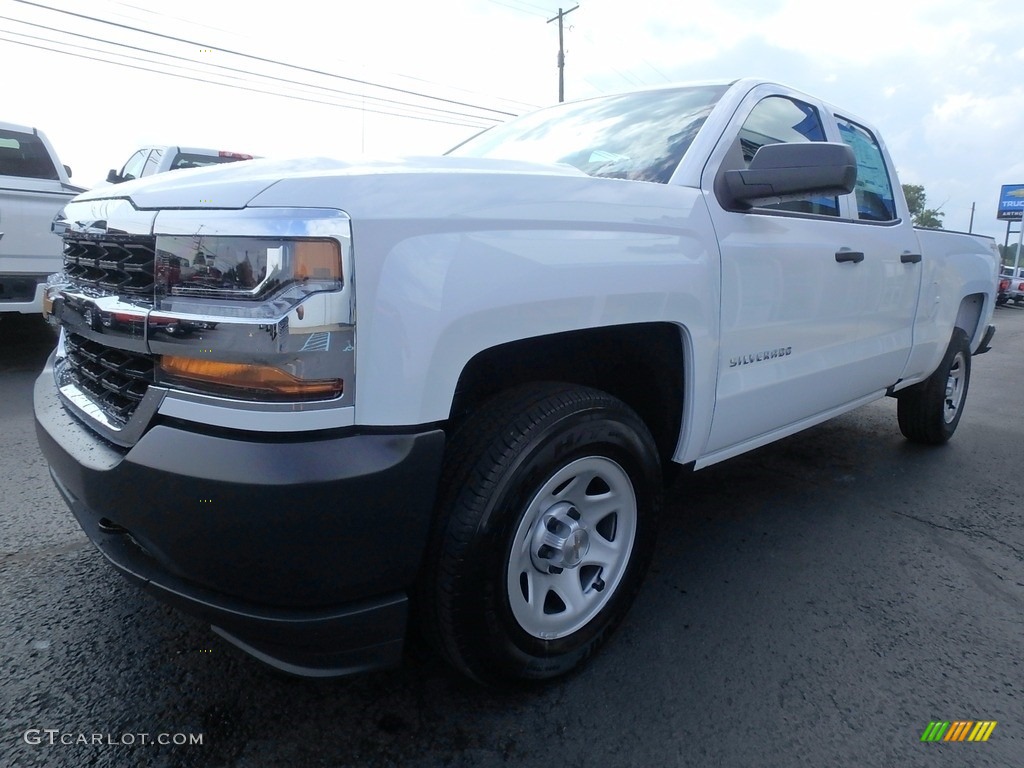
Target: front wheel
{"points": [[929, 412], [548, 512]]}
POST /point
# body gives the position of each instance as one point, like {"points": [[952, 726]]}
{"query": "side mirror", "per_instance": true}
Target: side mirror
{"points": [[59, 225], [791, 170], [67, 170], [114, 177]]}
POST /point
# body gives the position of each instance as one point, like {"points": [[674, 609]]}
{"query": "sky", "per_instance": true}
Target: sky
{"points": [[940, 80]]}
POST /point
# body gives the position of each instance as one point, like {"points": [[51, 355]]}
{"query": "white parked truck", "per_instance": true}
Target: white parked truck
{"points": [[150, 160], [313, 402], [34, 186]]}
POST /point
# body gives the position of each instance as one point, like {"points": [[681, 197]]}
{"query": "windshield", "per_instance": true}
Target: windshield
{"points": [[639, 136]]}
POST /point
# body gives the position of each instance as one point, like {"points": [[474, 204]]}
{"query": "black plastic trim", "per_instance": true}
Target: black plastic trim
{"points": [[298, 551], [986, 341], [853, 256]]}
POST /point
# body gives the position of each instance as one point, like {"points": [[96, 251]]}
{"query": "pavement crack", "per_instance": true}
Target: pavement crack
{"points": [[963, 531]]}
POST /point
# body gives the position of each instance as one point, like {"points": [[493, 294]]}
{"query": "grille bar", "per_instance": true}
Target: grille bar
{"points": [[116, 380], [119, 264]]}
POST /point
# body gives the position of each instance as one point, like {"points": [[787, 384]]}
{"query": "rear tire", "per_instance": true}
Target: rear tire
{"points": [[549, 504], [929, 412]]}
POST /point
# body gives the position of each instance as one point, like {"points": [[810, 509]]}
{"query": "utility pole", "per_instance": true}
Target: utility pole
{"points": [[561, 51]]}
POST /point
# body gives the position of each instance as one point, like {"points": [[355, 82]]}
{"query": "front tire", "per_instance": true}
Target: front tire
{"points": [[549, 504], [929, 412]]}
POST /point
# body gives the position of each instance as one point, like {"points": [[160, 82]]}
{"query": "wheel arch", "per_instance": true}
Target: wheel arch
{"points": [[968, 317], [642, 364]]}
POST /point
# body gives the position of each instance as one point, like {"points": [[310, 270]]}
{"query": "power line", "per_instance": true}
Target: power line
{"points": [[244, 88], [545, 11], [191, 60], [516, 8], [631, 80], [169, 16], [527, 105], [657, 71], [267, 60]]}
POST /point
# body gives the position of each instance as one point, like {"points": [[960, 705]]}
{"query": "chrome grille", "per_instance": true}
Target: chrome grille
{"points": [[122, 264], [116, 380]]}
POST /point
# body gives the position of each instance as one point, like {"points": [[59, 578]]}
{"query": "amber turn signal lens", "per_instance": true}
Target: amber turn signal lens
{"points": [[261, 378], [317, 260]]}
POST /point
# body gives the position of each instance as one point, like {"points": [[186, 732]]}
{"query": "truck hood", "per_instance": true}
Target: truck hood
{"points": [[234, 185]]}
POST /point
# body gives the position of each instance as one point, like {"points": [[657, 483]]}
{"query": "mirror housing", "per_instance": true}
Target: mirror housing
{"points": [[59, 225], [113, 177], [790, 170]]}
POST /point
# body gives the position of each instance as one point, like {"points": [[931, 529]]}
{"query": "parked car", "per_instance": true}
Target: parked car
{"points": [[549, 317], [34, 186], [1014, 290], [150, 160], [1002, 290]]}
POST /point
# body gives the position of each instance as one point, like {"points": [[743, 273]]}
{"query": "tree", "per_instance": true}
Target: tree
{"points": [[916, 201], [1008, 253]]}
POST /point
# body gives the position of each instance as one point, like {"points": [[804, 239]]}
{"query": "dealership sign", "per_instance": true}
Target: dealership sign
{"points": [[1011, 202]]}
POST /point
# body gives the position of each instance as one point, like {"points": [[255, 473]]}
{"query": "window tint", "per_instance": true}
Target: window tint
{"points": [[133, 168], [23, 154], [779, 120], [874, 189]]}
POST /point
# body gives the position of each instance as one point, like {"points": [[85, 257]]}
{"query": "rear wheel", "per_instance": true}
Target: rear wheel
{"points": [[546, 526], [929, 412]]}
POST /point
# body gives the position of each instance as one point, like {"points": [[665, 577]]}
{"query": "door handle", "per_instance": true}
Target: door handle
{"points": [[910, 258], [844, 255]]}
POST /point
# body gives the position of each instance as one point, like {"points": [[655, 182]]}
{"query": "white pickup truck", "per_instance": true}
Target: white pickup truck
{"points": [[1014, 282], [34, 186], [150, 160], [315, 402]]}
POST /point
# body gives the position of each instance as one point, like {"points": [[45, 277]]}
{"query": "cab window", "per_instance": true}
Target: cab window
{"points": [[23, 154], [874, 195], [781, 120], [153, 162], [133, 168]]}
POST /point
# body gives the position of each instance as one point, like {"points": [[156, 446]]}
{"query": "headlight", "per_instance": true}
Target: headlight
{"points": [[257, 307], [248, 269]]}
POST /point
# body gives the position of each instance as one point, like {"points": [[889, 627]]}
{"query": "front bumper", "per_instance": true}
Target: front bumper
{"points": [[297, 549]]}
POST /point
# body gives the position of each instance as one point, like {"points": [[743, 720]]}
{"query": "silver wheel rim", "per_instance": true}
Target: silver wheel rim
{"points": [[954, 388], [572, 547]]}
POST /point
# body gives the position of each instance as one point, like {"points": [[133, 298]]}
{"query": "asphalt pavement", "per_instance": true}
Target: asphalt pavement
{"points": [[817, 602]]}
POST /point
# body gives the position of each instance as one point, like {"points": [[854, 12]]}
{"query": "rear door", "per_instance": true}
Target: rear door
{"points": [[892, 264]]}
